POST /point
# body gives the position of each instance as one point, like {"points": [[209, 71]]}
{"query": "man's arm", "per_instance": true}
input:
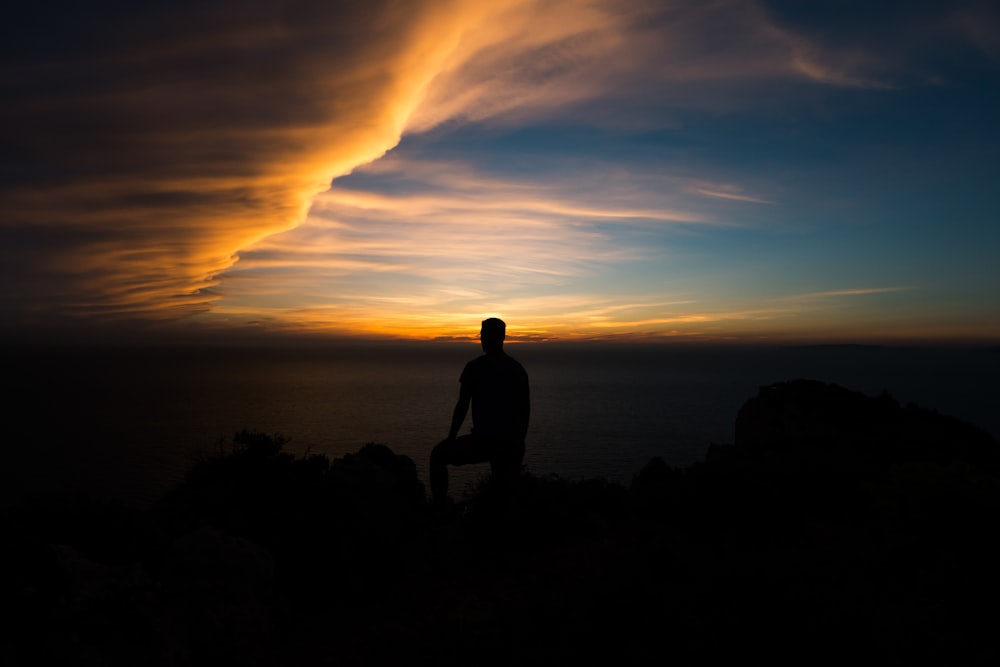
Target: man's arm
{"points": [[461, 409]]}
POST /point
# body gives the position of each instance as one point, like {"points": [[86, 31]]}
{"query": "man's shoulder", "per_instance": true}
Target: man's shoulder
{"points": [[478, 361], [473, 367], [516, 364], [512, 367]]}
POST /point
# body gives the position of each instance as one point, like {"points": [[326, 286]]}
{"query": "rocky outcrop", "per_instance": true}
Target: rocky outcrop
{"points": [[805, 418]]}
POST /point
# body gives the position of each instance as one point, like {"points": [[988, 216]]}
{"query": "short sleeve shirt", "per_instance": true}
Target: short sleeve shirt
{"points": [[500, 396]]}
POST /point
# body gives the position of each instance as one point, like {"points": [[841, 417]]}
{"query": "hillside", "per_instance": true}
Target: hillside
{"points": [[836, 526]]}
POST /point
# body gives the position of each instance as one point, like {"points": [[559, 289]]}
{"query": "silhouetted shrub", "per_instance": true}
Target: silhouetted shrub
{"points": [[837, 525]]}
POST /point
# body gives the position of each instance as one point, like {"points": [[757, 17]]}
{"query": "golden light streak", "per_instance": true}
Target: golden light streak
{"points": [[172, 212], [813, 296], [442, 313], [733, 196]]}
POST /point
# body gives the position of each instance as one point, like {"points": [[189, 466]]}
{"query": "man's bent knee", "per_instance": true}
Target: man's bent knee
{"points": [[443, 452], [437, 453]]}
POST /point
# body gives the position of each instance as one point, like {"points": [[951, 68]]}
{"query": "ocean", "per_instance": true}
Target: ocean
{"points": [[127, 423]]}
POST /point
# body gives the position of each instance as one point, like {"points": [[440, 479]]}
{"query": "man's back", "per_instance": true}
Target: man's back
{"points": [[500, 396]]}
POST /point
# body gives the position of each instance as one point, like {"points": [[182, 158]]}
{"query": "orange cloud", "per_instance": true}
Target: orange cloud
{"points": [[160, 148], [156, 144]]}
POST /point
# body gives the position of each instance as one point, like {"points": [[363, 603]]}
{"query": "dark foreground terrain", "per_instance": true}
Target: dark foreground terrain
{"points": [[837, 527]]}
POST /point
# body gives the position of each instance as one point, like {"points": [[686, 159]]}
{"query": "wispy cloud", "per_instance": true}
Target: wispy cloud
{"points": [[815, 296], [165, 139], [449, 240], [731, 194], [148, 149]]}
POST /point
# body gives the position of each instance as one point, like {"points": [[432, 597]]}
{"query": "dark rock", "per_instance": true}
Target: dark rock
{"points": [[377, 470], [819, 421]]}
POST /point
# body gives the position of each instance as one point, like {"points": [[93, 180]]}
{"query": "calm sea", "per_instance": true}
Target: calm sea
{"points": [[127, 423]]}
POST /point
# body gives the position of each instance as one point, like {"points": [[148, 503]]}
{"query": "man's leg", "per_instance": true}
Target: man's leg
{"points": [[460, 451], [506, 468]]}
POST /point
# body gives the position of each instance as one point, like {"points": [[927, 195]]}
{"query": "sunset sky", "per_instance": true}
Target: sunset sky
{"points": [[731, 170]]}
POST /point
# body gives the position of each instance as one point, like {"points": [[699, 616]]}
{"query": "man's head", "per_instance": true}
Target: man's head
{"points": [[492, 333]]}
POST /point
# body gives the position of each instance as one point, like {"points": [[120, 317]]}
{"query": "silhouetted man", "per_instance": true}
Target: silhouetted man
{"points": [[497, 387]]}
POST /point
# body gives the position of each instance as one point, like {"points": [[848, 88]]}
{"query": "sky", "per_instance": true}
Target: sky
{"points": [[720, 171]]}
